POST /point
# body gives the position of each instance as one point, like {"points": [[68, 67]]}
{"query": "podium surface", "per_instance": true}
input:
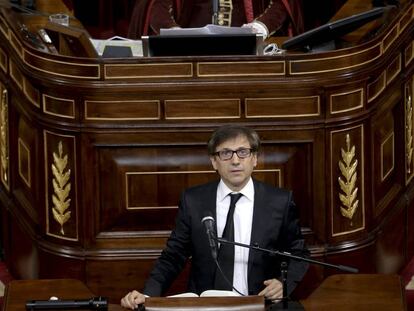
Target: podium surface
{"points": [[358, 292], [338, 292]]}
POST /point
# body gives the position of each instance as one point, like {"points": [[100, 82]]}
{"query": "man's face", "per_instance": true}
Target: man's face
{"points": [[235, 172]]}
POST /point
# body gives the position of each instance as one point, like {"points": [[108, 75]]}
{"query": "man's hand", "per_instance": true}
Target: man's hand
{"points": [[273, 290], [132, 300]]}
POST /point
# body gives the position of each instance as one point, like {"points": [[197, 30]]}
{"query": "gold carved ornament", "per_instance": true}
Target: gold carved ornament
{"points": [[225, 12], [4, 153], [409, 129], [348, 167], [61, 188]]}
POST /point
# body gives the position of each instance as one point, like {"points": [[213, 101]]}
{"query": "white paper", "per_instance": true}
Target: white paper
{"points": [[208, 293]]}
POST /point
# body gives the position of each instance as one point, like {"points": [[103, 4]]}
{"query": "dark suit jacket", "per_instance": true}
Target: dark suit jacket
{"points": [[275, 226]]}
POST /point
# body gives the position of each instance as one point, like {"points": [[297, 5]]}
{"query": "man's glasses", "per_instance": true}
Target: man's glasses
{"points": [[227, 154]]}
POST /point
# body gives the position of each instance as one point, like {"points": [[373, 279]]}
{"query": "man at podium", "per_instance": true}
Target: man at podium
{"points": [[283, 17], [245, 211]]}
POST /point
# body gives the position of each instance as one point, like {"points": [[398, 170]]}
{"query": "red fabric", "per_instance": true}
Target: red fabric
{"points": [[248, 8], [285, 16]]}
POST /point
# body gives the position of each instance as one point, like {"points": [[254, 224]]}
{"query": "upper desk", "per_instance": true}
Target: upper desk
{"points": [[95, 152]]}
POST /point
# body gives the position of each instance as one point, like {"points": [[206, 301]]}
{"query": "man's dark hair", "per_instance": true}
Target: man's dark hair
{"points": [[227, 132]]}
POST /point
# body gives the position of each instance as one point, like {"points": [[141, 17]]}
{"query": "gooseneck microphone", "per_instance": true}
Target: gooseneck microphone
{"points": [[97, 303], [208, 222]]}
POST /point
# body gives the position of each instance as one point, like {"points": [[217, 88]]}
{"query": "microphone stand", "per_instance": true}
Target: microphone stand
{"points": [[215, 12], [284, 299]]}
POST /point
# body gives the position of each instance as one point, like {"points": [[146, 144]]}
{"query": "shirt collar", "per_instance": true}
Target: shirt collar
{"points": [[247, 190]]}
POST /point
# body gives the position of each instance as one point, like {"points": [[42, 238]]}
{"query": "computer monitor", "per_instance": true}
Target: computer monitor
{"points": [[323, 37], [202, 45]]}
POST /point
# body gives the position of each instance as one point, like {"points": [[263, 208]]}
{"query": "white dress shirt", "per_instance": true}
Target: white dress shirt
{"points": [[243, 218]]}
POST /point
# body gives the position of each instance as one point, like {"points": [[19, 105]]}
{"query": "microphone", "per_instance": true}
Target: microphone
{"points": [[97, 303], [215, 4], [208, 222]]}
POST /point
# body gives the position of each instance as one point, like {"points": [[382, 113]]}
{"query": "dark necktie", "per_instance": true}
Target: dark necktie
{"points": [[226, 252]]}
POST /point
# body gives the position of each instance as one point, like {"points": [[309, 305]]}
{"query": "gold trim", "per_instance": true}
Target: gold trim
{"points": [[4, 139], [121, 101], [76, 238], [362, 182], [348, 167], [409, 56], [238, 102], [388, 35], [57, 62], [232, 74], [361, 104], [279, 171], [13, 71], [147, 76], [13, 41], [409, 139], [4, 66], [225, 12], [72, 101], [7, 33], [334, 57], [401, 29], [318, 113], [37, 104], [396, 72], [383, 176], [382, 88], [22, 144]]}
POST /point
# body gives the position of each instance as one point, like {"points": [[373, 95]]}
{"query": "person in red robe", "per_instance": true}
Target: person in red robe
{"points": [[280, 17]]}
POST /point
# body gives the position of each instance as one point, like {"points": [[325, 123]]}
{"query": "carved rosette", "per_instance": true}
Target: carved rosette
{"points": [[409, 140], [347, 182], [61, 188], [4, 143]]}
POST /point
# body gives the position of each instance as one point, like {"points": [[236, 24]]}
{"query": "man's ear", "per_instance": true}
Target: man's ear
{"points": [[254, 159], [213, 162]]}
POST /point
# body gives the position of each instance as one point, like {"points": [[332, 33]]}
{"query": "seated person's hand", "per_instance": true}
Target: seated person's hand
{"points": [[132, 300], [273, 290], [258, 28]]}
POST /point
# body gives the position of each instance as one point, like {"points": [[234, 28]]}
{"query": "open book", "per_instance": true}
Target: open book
{"points": [[206, 30], [208, 293]]}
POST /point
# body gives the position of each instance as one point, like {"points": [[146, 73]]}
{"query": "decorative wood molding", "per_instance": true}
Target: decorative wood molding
{"points": [[24, 162], [241, 69], [3, 60], [59, 107], [387, 144], [347, 181], [122, 110], [352, 100], [283, 107], [209, 108], [61, 187], [4, 138], [347, 192], [60, 179], [140, 71], [409, 134]]}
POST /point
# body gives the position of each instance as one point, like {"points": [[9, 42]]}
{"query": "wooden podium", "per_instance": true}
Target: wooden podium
{"points": [[337, 292]]}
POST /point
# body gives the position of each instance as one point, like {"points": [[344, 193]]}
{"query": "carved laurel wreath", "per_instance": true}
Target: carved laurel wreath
{"points": [[348, 167], [61, 188], [409, 130]]}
